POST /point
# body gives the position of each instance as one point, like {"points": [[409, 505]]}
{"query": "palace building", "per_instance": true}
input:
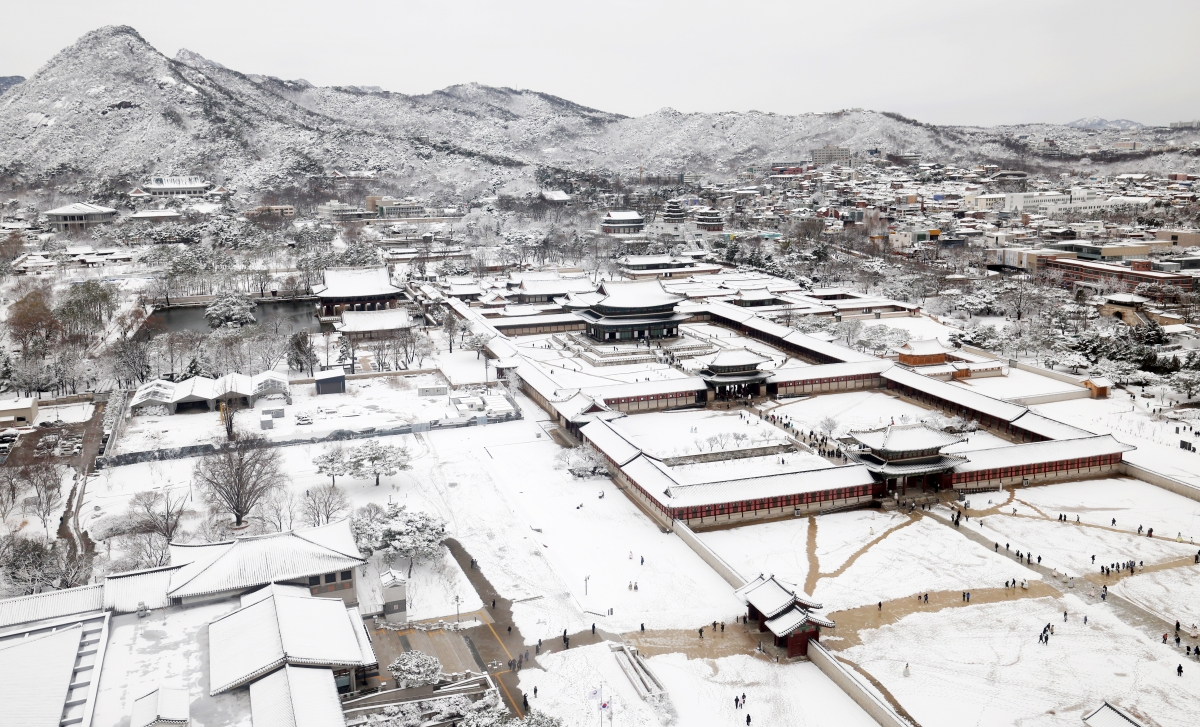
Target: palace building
{"points": [[785, 611], [734, 372], [355, 289], [632, 311], [710, 220], [906, 453]]}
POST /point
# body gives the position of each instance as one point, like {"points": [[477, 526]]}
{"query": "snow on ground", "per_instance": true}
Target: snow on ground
{"points": [[983, 666], [725, 338], [386, 401], [1174, 593], [1067, 546], [701, 691], [670, 434], [781, 547], [1131, 502], [1016, 383], [727, 469], [68, 413], [433, 586], [168, 647], [778, 548], [923, 557], [852, 410], [1129, 421], [498, 488], [920, 327], [842, 534]]}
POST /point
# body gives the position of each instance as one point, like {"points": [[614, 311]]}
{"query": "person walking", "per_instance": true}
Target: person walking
{"points": [[535, 692], [1178, 672], [1064, 616], [737, 702], [593, 629], [525, 701], [748, 716]]}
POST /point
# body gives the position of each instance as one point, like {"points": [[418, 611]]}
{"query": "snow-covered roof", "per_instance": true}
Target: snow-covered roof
{"points": [[81, 208], [826, 348], [905, 438], [770, 596], [1001, 410], [793, 618], [611, 444], [624, 215], [155, 215], [1109, 716], [1049, 428], [124, 591], [52, 604], [657, 387], [636, 294], [281, 629], [748, 488], [389, 319], [296, 696], [1036, 452], [256, 560], [35, 677], [198, 388], [925, 347], [163, 706], [797, 374], [355, 283], [738, 357]]}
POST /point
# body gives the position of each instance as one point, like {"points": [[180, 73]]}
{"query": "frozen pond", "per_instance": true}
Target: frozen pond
{"points": [[291, 316]]}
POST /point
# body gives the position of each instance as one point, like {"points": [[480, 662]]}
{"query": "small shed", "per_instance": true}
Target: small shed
{"points": [[163, 707], [1099, 386], [434, 390], [332, 381], [395, 595], [21, 411]]}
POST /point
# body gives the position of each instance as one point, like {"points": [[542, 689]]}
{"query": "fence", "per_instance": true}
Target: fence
{"points": [[723, 569], [337, 435], [837, 672], [1179, 487]]}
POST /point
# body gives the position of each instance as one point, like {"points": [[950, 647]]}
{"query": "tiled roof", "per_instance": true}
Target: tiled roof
{"points": [[51, 604]]}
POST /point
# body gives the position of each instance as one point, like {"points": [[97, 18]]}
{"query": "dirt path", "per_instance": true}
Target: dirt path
{"points": [[814, 574]]}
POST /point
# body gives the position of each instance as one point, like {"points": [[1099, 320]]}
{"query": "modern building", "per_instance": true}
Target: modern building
{"points": [[830, 155], [355, 289], [622, 222], [1088, 273], [332, 381], [281, 211], [389, 208], [1100, 252], [340, 211], [176, 187], [632, 311], [1179, 238], [79, 217], [204, 393]]}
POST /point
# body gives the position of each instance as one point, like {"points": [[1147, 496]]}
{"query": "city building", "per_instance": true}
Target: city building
{"points": [[1095, 274], [176, 187], [830, 155], [79, 216], [340, 211]]}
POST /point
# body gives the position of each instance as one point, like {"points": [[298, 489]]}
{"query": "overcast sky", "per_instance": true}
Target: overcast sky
{"points": [[947, 62]]}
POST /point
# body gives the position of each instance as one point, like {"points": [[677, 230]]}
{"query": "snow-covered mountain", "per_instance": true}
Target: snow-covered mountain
{"points": [[111, 107], [7, 82], [1095, 122]]}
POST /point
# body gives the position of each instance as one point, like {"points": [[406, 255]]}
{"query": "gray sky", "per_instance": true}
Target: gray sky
{"points": [[949, 62]]}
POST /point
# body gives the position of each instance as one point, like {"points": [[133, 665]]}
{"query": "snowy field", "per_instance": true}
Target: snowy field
{"points": [[867, 410], [701, 691], [67, 413], [983, 666], [536, 531], [433, 586], [919, 327], [781, 548], [725, 338], [1174, 594], [1129, 421], [926, 556], [1015, 384], [685, 432], [387, 401], [1131, 502]]}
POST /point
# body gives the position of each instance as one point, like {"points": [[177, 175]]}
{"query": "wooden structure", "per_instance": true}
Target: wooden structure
{"points": [[786, 612]]}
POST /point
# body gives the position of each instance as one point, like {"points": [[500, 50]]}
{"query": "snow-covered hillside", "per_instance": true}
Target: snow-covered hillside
{"points": [[111, 106]]}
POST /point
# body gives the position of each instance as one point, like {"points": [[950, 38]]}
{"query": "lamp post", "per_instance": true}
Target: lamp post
{"points": [[457, 618], [585, 584]]}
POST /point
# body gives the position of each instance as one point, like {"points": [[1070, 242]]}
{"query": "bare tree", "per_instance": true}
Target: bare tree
{"points": [[828, 425], [323, 503], [238, 477], [12, 487], [46, 480], [278, 509], [158, 512]]}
